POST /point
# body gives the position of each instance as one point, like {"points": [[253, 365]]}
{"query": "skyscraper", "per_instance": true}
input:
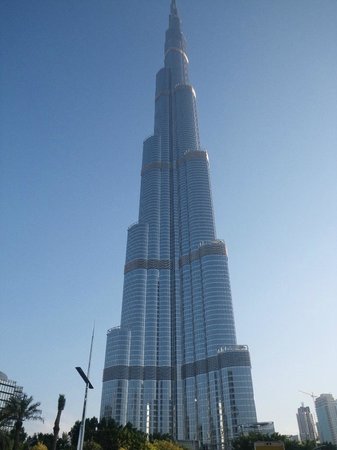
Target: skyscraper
{"points": [[174, 365], [306, 424], [326, 410]]}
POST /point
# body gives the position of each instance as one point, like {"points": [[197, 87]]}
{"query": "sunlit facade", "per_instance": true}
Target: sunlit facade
{"points": [[326, 410], [174, 365], [306, 424]]}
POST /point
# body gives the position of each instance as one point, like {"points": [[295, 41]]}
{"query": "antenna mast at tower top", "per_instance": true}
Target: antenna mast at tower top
{"points": [[174, 7]]}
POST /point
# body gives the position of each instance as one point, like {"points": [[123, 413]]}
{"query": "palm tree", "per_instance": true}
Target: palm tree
{"points": [[3, 420], [5, 442], [60, 407], [18, 409]]}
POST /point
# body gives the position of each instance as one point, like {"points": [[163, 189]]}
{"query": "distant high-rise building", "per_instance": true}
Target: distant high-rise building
{"points": [[306, 424], [174, 365], [326, 411], [8, 388]]}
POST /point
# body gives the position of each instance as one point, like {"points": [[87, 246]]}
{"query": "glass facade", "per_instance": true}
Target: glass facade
{"points": [[174, 366], [326, 410]]}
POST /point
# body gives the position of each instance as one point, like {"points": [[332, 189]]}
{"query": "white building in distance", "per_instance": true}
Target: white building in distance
{"points": [[326, 410]]}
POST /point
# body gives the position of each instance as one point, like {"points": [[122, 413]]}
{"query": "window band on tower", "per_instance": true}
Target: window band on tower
{"points": [[212, 248]]}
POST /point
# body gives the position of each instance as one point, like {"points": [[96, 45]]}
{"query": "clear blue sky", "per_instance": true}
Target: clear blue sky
{"points": [[77, 100]]}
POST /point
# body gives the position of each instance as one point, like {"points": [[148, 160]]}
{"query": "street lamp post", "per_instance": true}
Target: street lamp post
{"points": [[88, 385]]}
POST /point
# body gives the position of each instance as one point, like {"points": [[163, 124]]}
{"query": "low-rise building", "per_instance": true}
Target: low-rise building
{"points": [[266, 428], [8, 388]]}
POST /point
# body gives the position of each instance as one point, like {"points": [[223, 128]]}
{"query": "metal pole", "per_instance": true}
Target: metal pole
{"points": [[82, 426]]}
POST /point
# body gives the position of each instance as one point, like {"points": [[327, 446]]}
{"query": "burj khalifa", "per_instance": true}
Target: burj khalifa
{"points": [[174, 365]]}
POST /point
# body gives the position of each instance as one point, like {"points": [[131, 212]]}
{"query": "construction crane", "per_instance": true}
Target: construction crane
{"points": [[311, 394]]}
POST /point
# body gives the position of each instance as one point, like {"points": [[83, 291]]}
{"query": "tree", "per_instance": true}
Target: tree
{"points": [[39, 446], [43, 438], [74, 433], [18, 409], [60, 407], [64, 443], [109, 435], [131, 438], [160, 437], [5, 441], [247, 442], [4, 420], [165, 445], [91, 445], [328, 446], [91, 427]]}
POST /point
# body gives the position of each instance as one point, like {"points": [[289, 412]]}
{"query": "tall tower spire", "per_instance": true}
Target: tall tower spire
{"points": [[176, 59], [174, 10], [174, 366]]}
